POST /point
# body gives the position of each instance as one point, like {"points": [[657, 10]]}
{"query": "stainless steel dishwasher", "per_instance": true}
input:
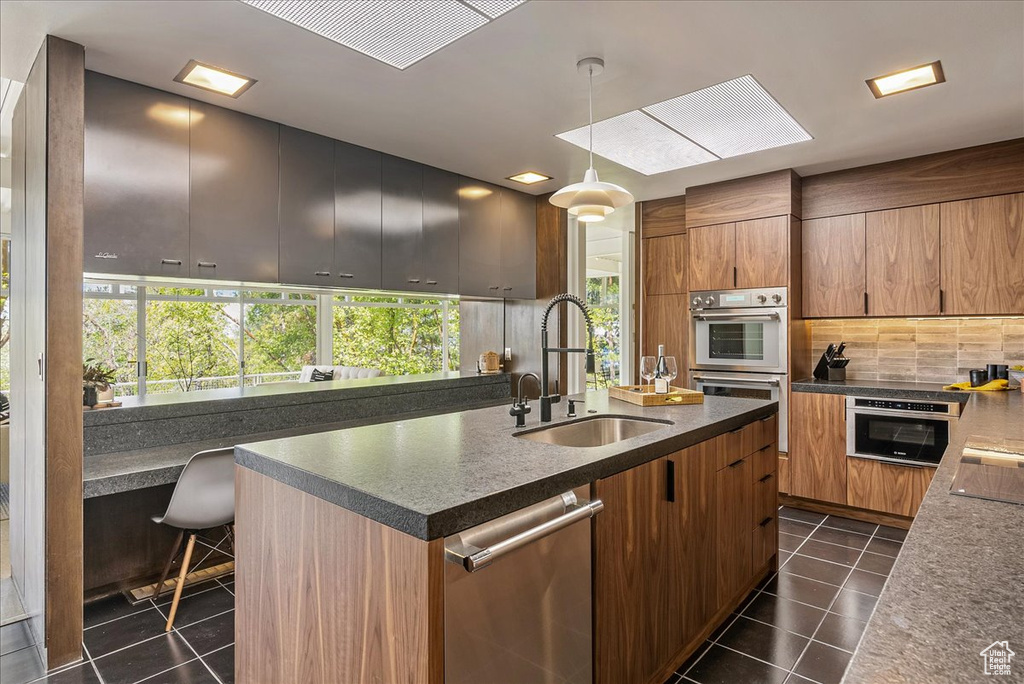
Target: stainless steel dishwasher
{"points": [[517, 596]]}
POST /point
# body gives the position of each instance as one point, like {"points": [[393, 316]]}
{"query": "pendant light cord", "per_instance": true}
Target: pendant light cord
{"points": [[590, 71]]}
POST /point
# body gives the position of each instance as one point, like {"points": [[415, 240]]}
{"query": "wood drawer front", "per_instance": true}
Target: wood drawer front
{"points": [[769, 431], [765, 500], [765, 543], [764, 461], [738, 444], [879, 486]]}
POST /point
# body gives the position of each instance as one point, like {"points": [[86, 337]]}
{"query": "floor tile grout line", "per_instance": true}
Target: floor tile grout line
{"points": [[202, 662], [152, 604], [789, 631], [788, 671], [142, 641], [852, 567], [92, 662], [169, 669]]}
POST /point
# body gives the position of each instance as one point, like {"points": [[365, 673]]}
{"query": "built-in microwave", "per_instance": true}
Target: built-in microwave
{"points": [[899, 431], [739, 330]]}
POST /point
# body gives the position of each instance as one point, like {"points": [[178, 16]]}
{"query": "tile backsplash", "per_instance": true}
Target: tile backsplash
{"points": [[924, 350]]}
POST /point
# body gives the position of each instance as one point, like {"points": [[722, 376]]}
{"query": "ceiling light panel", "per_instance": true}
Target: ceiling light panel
{"points": [[638, 142], [396, 32], [732, 118], [908, 79], [495, 8], [529, 177]]}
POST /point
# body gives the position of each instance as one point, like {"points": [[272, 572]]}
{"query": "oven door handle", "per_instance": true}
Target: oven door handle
{"points": [[770, 316], [707, 379]]}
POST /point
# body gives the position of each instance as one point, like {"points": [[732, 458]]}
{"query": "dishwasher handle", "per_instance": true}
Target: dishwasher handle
{"points": [[480, 559]]}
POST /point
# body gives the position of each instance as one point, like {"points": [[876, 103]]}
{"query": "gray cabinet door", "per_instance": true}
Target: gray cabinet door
{"points": [[234, 188], [357, 216], [402, 224], [136, 179], [518, 245], [479, 238], [307, 208], [440, 231]]}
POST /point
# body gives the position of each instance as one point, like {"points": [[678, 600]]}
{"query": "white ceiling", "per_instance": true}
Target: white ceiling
{"points": [[490, 104]]}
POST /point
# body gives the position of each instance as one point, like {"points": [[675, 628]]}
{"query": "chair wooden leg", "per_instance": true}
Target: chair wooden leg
{"points": [[170, 562], [181, 581]]}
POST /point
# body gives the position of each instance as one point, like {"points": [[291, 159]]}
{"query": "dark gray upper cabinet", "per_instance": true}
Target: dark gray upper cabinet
{"points": [[357, 217], [136, 179], [234, 188], [479, 238], [440, 253], [497, 242], [518, 245], [402, 224], [307, 208]]}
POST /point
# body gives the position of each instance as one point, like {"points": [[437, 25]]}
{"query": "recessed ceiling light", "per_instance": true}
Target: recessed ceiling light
{"points": [[731, 118], [214, 79], [396, 32], [638, 142], [529, 177], [907, 79]]}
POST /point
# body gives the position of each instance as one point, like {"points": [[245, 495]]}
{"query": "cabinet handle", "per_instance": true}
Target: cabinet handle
{"points": [[670, 481], [865, 303], [206, 264], [734, 276], [737, 430], [493, 287], [507, 289], [171, 262], [414, 280], [322, 273], [942, 301], [766, 478], [431, 282], [767, 418], [766, 521], [736, 463], [766, 447], [346, 275]]}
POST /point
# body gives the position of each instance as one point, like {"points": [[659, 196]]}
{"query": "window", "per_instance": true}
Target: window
{"points": [[5, 315], [603, 301], [204, 337]]}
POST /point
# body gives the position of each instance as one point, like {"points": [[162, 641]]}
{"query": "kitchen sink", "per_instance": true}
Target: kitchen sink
{"points": [[594, 432]]}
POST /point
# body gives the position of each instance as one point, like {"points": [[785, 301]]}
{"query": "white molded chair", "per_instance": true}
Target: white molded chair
{"points": [[341, 372], [203, 498]]}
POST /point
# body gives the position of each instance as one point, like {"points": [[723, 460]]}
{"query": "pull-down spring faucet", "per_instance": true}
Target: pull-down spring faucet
{"points": [[546, 399]]}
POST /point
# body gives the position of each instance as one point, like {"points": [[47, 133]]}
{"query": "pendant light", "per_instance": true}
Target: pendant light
{"points": [[591, 200]]}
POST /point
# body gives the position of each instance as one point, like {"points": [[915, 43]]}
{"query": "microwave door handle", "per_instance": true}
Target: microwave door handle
{"points": [[708, 379]]}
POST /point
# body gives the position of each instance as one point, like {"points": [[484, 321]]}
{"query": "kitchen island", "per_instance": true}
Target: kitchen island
{"points": [[341, 535]]}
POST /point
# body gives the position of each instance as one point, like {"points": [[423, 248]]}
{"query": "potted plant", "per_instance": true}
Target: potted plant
{"points": [[95, 377]]}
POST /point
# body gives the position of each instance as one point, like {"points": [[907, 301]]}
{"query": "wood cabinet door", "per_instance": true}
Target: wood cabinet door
{"points": [[440, 231], [734, 503], [479, 238], [762, 253], [307, 208], [903, 261], [983, 255], [665, 322], [665, 264], [518, 245], [817, 446], [833, 267], [401, 224], [628, 535], [885, 487], [136, 179], [712, 262], [357, 216]]}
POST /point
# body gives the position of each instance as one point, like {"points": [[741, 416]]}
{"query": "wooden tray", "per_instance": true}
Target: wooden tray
{"points": [[675, 397]]}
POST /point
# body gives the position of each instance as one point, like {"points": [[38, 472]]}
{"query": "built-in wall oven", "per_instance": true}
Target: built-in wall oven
{"points": [[739, 330], [748, 386], [738, 347], [899, 431]]}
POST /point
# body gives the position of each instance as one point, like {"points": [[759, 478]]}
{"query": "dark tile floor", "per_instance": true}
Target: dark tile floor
{"points": [[126, 644], [801, 625], [804, 622]]}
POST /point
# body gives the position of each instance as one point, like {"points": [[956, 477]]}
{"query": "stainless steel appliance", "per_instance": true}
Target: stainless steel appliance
{"points": [[517, 596], [748, 386], [900, 431], [739, 330]]}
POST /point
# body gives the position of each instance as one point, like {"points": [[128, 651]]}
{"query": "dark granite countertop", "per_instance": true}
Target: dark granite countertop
{"points": [[958, 584], [431, 477], [124, 471], [275, 395], [886, 389]]}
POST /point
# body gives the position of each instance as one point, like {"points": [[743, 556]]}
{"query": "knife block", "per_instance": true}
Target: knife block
{"points": [[836, 374]]}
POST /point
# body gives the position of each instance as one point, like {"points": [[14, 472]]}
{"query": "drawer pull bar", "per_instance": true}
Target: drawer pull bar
{"points": [[766, 477], [735, 463], [670, 481], [346, 275], [171, 262], [206, 264], [766, 521]]}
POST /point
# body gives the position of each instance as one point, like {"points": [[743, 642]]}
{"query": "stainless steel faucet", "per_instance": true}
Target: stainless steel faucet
{"points": [[546, 399], [522, 406]]}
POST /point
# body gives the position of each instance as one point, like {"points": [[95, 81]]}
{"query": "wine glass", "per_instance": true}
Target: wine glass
{"points": [[648, 366], [670, 371]]}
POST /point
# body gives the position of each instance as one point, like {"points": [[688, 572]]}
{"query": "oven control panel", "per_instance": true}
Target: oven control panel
{"points": [[739, 299], [901, 405]]}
